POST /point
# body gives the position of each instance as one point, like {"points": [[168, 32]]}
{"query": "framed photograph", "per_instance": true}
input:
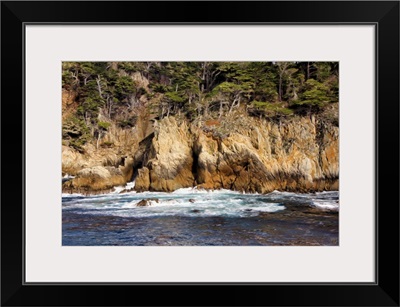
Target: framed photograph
{"points": [[238, 146]]}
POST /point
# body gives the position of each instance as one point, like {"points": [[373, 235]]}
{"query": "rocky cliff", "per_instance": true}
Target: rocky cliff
{"points": [[255, 156], [251, 155]]}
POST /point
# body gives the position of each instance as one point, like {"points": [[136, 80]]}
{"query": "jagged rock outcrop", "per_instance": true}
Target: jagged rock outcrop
{"points": [[100, 179], [295, 155], [167, 166], [259, 156], [300, 154], [95, 179]]}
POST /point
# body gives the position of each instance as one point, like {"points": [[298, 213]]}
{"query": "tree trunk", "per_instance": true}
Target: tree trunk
{"points": [[98, 140], [205, 112], [221, 109], [235, 103], [99, 86], [109, 106]]}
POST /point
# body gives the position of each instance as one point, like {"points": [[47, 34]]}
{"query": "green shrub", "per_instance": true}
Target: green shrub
{"points": [[271, 108], [107, 144], [74, 127], [103, 125], [127, 123]]}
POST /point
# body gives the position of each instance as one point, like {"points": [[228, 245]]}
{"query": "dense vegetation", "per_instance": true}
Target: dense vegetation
{"points": [[121, 92]]}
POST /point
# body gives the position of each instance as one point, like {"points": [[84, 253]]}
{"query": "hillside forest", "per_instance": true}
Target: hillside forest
{"points": [[120, 92], [116, 116]]}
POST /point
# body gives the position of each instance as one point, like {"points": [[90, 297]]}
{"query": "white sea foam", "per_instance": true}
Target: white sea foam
{"points": [[130, 185], [70, 195], [67, 176], [327, 205], [169, 204], [195, 202], [127, 188], [195, 190], [327, 200], [118, 190]]}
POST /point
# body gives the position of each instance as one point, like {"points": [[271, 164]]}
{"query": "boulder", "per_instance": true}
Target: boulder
{"points": [[146, 202], [143, 203]]}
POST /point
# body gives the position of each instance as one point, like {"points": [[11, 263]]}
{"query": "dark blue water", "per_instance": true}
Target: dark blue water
{"points": [[189, 217]]}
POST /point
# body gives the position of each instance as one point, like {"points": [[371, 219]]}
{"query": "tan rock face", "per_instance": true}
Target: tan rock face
{"points": [[300, 154], [142, 181], [95, 179], [297, 155], [169, 161], [95, 172], [294, 156], [72, 161], [91, 168]]}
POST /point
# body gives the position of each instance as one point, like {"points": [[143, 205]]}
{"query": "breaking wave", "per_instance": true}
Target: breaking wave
{"points": [[194, 202]]}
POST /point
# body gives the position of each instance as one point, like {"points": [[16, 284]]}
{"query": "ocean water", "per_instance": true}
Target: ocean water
{"points": [[190, 217]]}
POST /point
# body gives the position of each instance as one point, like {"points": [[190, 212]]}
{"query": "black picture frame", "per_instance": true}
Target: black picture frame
{"points": [[383, 14]]}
